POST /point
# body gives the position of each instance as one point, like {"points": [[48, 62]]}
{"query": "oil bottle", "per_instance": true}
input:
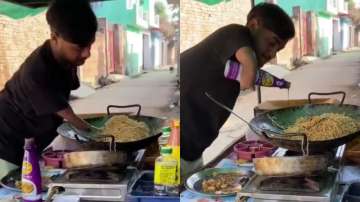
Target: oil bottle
{"points": [[174, 143], [165, 172]]}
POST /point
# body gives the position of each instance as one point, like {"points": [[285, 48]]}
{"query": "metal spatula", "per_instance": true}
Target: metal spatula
{"points": [[69, 131], [304, 144]]}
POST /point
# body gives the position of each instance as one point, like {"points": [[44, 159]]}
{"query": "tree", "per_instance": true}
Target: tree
{"points": [[354, 13], [169, 20]]}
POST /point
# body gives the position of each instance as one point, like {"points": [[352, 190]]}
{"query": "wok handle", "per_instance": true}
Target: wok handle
{"points": [[54, 190], [330, 93], [112, 143], [123, 106]]}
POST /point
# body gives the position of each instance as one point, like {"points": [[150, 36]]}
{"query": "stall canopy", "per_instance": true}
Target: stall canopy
{"points": [[212, 2]]}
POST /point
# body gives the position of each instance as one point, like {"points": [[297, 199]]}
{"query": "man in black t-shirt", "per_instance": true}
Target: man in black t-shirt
{"points": [[267, 31], [34, 101]]}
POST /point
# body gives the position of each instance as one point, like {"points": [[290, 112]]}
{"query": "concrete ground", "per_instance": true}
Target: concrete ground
{"points": [[340, 72], [154, 91]]}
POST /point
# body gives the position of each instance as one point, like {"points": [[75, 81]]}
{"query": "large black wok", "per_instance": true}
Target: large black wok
{"points": [[104, 142], [271, 125]]}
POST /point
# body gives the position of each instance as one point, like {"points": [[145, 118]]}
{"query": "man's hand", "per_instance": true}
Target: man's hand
{"points": [[69, 115], [247, 58]]}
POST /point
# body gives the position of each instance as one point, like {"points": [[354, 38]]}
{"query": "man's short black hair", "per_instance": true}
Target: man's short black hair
{"points": [[73, 20], [273, 18]]}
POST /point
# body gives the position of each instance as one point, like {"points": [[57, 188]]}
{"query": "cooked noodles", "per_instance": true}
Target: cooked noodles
{"points": [[125, 129], [326, 126]]}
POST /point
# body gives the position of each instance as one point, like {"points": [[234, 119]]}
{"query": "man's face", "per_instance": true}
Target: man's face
{"points": [[267, 44], [71, 53]]}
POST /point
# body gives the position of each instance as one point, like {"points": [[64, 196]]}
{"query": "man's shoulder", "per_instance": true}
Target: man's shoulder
{"points": [[234, 27], [234, 30], [228, 35], [35, 64]]}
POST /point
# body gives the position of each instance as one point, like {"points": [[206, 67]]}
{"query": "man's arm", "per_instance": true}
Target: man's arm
{"points": [[69, 115], [247, 58]]}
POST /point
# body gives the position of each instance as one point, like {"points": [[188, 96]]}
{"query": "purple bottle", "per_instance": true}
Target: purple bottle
{"points": [[266, 79], [30, 175], [263, 78]]}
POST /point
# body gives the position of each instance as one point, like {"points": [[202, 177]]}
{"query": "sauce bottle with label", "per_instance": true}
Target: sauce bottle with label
{"points": [[263, 78], [30, 174]]}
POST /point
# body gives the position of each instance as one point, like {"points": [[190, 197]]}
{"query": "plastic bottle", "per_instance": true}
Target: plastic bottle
{"points": [[164, 138], [263, 78], [165, 172], [174, 143], [266, 79], [30, 175]]}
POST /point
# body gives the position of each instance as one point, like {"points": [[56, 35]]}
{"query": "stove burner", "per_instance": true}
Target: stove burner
{"points": [[299, 184], [93, 176]]}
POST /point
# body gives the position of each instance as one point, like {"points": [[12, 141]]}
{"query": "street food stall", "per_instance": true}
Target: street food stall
{"points": [[114, 166], [300, 156]]}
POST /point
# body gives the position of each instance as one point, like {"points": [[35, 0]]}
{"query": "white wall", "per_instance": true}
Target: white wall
{"points": [[147, 52], [345, 35], [337, 35], [135, 45], [343, 7], [157, 52], [357, 3], [332, 6], [325, 35], [153, 18]]}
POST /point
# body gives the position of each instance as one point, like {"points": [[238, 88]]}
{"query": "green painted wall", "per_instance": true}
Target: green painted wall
{"points": [[115, 11], [306, 5], [212, 2], [16, 11], [146, 5]]}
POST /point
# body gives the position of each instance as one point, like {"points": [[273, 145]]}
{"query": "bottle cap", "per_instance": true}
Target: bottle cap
{"points": [[176, 123], [29, 142], [166, 129], [166, 150]]}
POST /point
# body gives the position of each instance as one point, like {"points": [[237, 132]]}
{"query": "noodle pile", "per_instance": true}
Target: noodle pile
{"points": [[125, 129], [326, 126]]}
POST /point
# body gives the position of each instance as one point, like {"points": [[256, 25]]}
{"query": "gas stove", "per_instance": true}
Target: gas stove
{"points": [[95, 185], [321, 187]]}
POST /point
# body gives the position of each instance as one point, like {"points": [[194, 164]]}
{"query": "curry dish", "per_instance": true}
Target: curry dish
{"points": [[125, 129]]}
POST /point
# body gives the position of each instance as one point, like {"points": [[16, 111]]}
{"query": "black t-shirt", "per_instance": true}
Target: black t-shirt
{"points": [[202, 70], [29, 102]]}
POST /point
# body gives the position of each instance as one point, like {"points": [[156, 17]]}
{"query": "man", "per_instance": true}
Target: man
{"points": [[34, 101], [267, 31]]}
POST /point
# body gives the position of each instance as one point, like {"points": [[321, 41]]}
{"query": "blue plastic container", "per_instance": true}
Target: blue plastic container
{"points": [[143, 190]]}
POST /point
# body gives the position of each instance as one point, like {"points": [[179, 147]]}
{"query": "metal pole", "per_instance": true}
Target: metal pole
{"points": [[258, 89]]}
